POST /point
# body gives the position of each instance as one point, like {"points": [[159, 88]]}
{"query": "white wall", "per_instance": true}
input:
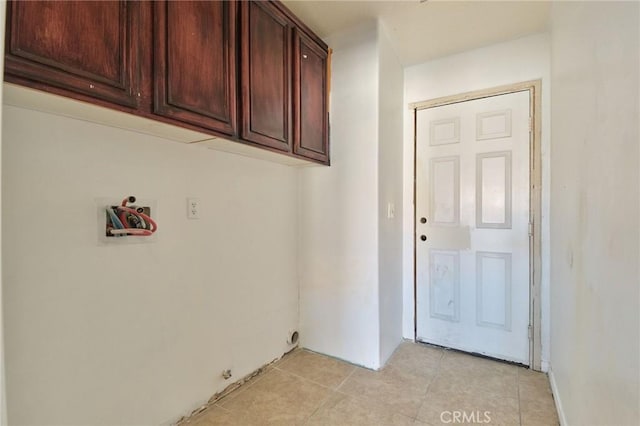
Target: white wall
{"points": [[391, 89], [338, 269], [137, 334], [595, 336], [3, 395], [505, 63]]}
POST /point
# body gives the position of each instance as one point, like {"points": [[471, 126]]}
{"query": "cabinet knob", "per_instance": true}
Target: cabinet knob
{"points": [[423, 237], [304, 56], [423, 220]]}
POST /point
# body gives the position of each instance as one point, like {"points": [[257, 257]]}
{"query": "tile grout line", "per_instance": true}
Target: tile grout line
{"points": [[252, 403], [519, 404], [221, 407], [306, 379], [331, 392], [367, 399], [426, 392], [437, 373], [322, 404], [353, 370], [329, 388], [440, 371]]}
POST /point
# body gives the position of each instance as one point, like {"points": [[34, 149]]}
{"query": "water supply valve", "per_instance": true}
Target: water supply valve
{"points": [[127, 219]]}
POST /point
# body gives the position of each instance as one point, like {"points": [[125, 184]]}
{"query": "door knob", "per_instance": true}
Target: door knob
{"points": [[423, 237]]}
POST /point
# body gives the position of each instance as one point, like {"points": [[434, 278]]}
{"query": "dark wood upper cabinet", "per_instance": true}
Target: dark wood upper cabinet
{"points": [[195, 63], [248, 71], [83, 47], [265, 75], [311, 121]]}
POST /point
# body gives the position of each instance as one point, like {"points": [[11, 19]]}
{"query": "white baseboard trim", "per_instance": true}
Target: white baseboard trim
{"points": [[556, 398]]}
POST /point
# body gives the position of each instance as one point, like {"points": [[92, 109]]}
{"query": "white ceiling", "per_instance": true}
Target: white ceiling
{"points": [[424, 31]]}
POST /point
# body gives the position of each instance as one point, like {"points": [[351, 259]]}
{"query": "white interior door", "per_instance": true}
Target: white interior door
{"points": [[472, 226]]}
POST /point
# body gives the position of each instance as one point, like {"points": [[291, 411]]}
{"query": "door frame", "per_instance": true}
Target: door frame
{"points": [[534, 87]]}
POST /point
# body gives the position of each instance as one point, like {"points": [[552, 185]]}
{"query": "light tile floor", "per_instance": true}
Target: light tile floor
{"points": [[420, 385]]}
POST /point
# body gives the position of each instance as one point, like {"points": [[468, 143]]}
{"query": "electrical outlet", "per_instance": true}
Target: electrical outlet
{"points": [[193, 208]]}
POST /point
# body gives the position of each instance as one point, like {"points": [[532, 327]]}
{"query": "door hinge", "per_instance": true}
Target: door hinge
{"points": [[530, 124], [530, 229], [530, 332]]}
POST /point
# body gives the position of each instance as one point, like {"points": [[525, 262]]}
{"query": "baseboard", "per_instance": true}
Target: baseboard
{"points": [[556, 398]]}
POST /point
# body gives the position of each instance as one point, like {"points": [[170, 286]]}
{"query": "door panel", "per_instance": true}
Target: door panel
{"points": [[43, 46], [493, 281], [266, 71], [195, 63], [311, 131], [444, 206], [444, 293], [493, 190], [472, 250]]}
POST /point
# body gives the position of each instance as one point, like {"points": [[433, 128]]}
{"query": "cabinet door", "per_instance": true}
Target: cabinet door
{"points": [[87, 47], [266, 72], [310, 115], [195, 63]]}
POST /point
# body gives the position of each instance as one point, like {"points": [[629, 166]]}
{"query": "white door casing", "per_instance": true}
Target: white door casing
{"points": [[472, 225]]}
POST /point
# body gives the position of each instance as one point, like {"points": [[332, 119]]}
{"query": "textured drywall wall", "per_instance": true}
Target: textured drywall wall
{"points": [[391, 90], [595, 330], [339, 213], [137, 334]]}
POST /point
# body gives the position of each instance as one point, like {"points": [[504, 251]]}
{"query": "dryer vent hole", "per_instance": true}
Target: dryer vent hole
{"points": [[293, 338]]}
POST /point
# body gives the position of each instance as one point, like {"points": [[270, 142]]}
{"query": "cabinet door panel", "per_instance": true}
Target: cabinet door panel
{"points": [[265, 75], [310, 134], [196, 63], [82, 46]]}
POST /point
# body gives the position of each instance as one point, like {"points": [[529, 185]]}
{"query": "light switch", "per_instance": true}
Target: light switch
{"points": [[391, 211]]}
